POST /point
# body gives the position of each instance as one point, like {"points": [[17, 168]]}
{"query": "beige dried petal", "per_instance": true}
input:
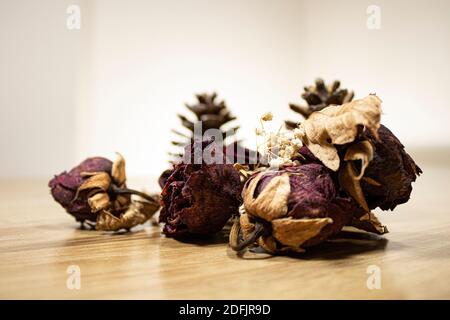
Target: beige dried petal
{"points": [[370, 223], [99, 180], [349, 178], [294, 232], [339, 125], [118, 170], [271, 203], [99, 201], [361, 151], [349, 182], [122, 201], [137, 213]]}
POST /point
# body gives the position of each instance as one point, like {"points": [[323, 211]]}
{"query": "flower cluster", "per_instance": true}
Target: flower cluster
{"points": [[298, 189], [330, 172]]}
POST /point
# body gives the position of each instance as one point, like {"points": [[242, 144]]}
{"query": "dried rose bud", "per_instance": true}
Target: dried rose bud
{"points": [[388, 177], [65, 185], [198, 199], [96, 191], [293, 208]]}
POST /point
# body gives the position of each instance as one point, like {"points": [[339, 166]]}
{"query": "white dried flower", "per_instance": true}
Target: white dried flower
{"points": [[259, 131]]}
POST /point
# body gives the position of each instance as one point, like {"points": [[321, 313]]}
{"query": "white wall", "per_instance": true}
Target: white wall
{"points": [[117, 84], [38, 64]]}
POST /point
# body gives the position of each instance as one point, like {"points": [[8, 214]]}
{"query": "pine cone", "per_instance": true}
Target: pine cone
{"points": [[211, 113], [319, 96]]}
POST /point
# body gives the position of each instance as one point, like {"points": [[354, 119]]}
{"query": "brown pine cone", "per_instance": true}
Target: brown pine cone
{"points": [[211, 114], [319, 96]]}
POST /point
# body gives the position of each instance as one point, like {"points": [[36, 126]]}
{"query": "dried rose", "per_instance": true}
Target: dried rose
{"points": [[65, 185], [96, 191], [387, 179], [292, 209], [198, 199], [371, 162]]}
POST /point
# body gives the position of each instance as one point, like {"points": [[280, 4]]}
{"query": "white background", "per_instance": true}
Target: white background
{"points": [[117, 84]]}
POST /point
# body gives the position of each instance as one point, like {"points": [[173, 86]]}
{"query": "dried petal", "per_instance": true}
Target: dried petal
{"points": [[349, 178], [295, 232], [349, 182], [370, 223], [118, 170], [137, 213], [338, 125], [99, 201], [392, 170], [361, 151], [272, 202], [98, 180]]}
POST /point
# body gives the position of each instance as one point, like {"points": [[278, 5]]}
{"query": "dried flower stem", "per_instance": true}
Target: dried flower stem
{"points": [[117, 190], [234, 236]]}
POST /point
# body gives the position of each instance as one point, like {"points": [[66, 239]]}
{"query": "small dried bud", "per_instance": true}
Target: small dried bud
{"points": [[96, 191], [268, 116]]}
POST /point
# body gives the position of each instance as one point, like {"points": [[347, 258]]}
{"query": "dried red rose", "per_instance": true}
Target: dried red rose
{"points": [[293, 208], [388, 177], [198, 199], [96, 191]]}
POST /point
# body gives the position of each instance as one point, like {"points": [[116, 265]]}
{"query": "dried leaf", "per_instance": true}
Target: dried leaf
{"points": [[118, 170], [137, 213], [99, 201], [271, 203], [370, 223], [294, 232], [338, 125]]}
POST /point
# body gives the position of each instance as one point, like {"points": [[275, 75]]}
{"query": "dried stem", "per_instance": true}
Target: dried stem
{"points": [[117, 190], [235, 244]]}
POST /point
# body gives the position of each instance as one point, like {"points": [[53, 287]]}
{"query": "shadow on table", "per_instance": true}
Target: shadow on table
{"points": [[342, 246], [345, 244]]}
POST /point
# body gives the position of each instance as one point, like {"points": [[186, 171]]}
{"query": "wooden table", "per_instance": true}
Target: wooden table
{"points": [[39, 243]]}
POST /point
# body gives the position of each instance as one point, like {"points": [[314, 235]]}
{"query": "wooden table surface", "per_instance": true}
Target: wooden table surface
{"points": [[39, 242]]}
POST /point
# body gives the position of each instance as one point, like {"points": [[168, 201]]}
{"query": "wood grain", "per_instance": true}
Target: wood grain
{"points": [[39, 241]]}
